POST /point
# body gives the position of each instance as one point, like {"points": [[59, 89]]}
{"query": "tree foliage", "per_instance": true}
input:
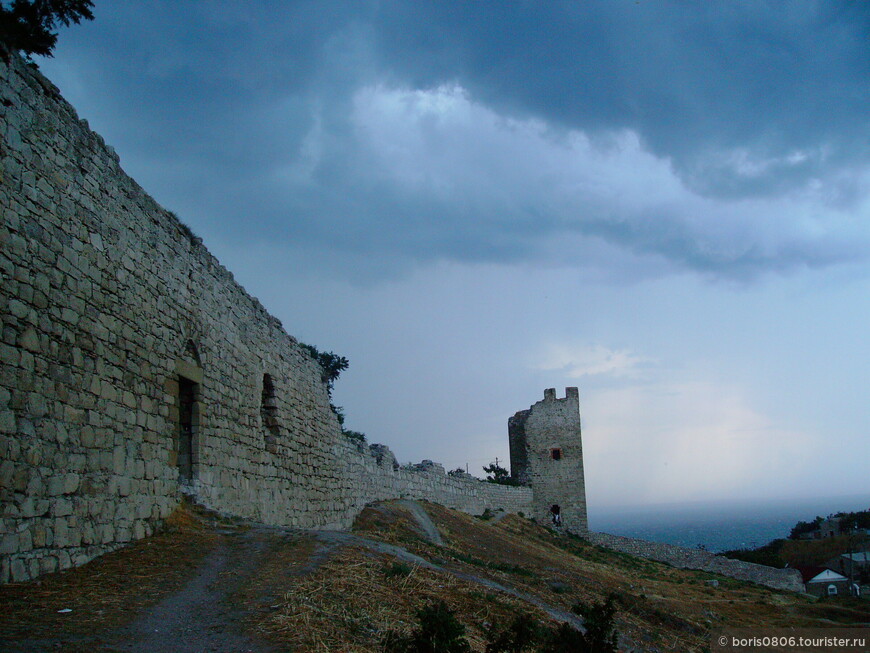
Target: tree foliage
{"points": [[29, 25], [331, 367], [598, 619], [768, 555], [495, 473], [805, 527], [439, 632], [850, 520]]}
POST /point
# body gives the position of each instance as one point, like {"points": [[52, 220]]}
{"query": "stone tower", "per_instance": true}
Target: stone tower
{"points": [[547, 455]]}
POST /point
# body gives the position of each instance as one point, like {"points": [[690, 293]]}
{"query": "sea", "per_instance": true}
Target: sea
{"points": [[718, 525]]}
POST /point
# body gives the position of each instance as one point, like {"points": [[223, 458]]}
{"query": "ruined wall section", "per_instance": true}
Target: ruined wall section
{"points": [[373, 474], [119, 328], [519, 451], [683, 558]]}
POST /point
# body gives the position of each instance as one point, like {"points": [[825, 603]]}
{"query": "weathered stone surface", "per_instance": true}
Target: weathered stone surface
{"points": [[133, 366], [784, 579]]}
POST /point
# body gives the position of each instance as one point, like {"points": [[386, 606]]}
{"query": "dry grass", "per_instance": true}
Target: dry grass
{"points": [[286, 559], [660, 606], [391, 522], [351, 602], [110, 590]]}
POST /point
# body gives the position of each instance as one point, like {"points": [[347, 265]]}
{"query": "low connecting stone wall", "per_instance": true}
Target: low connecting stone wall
{"points": [[374, 475], [683, 558]]}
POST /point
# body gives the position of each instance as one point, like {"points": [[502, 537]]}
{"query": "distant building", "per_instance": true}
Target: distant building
{"points": [[829, 528], [820, 581], [850, 563]]}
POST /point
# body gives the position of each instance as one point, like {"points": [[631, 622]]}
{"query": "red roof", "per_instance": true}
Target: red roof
{"points": [[808, 573]]}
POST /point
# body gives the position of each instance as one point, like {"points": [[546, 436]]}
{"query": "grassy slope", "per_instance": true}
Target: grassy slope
{"points": [[661, 607], [306, 596]]}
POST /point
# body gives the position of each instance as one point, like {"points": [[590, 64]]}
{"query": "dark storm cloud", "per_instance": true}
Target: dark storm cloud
{"points": [[691, 79], [298, 122]]}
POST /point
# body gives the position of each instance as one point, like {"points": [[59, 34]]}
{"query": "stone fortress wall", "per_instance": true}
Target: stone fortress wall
{"points": [[134, 368]]}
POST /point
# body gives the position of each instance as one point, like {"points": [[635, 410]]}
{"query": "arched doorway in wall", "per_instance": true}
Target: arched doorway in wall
{"points": [[188, 413]]}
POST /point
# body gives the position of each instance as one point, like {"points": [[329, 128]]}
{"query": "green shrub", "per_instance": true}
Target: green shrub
{"points": [[598, 620], [354, 436], [527, 634], [439, 632], [565, 639], [524, 634]]}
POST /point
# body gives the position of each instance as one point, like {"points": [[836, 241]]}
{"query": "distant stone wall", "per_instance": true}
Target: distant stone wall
{"points": [[782, 579], [133, 368], [375, 475]]}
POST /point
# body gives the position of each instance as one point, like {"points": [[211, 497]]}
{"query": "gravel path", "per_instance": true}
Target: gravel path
{"points": [[201, 617], [424, 521]]}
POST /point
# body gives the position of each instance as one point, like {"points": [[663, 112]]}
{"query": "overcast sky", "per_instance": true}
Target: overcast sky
{"points": [[665, 204]]}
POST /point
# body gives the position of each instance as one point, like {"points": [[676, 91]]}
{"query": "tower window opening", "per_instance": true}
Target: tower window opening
{"points": [[556, 454]]}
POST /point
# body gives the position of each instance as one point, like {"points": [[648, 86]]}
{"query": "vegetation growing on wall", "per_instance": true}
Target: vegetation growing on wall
{"points": [[332, 365]]}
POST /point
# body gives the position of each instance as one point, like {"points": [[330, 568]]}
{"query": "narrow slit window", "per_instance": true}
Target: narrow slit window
{"points": [[188, 427], [556, 454], [269, 410]]}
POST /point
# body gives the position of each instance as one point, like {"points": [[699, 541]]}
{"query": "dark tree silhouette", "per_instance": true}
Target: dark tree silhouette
{"points": [[28, 25], [495, 473]]}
